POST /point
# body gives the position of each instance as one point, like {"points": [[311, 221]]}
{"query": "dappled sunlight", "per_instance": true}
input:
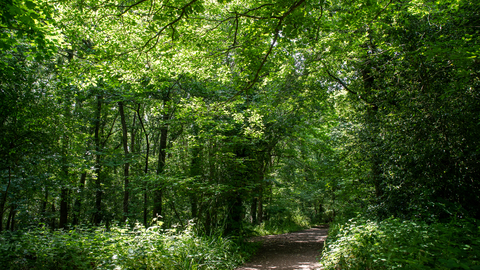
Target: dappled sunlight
{"points": [[297, 250], [161, 134]]}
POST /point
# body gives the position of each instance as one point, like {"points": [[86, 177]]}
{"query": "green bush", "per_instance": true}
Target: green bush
{"points": [[287, 221], [396, 244], [117, 248]]}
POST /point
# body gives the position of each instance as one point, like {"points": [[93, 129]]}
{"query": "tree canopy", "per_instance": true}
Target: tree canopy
{"points": [[234, 113]]}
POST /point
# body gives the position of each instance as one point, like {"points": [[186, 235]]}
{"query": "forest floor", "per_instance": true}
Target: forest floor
{"points": [[291, 251]]}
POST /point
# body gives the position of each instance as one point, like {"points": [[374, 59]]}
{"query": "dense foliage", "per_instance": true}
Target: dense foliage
{"points": [[397, 244], [244, 116], [117, 248]]}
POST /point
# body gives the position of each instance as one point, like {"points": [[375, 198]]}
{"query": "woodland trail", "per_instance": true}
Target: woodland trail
{"points": [[290, 251]]}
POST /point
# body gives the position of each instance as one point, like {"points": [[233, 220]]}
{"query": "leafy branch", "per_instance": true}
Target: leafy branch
{"points": [[272, 44]]}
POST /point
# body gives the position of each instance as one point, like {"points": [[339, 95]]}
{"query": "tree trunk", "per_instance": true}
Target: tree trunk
{"points": [[194, 205], [240, 171], [132, 148], [4, 199], [126, 169], [260, 205], [53, 220], [98, 164], [195, 172], [43, 206], [77, 205], [372, 111], [234, 215], [63, 208], [172, 205], [64, 191], [78, 201], [253, 210], [11, 218], [257, 204], [158, 193], [65, 173], [145, 197], [157, 200]]}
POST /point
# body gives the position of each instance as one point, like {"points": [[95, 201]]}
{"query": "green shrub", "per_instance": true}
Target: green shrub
{"points": [[117, 248], [396, 244], [283, 221]]}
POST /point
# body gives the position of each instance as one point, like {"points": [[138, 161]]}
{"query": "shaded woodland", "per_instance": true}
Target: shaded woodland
{"points": [[232, 117]]}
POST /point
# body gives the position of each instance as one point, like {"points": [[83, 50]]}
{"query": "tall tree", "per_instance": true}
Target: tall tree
{"points": [[126, 172]]}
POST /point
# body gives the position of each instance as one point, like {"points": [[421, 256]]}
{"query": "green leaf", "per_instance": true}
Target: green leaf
{"points": [[30, 4]]}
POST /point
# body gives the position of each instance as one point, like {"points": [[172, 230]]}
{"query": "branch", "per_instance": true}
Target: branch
{"points": [[380, 12], [250, 85], [264, 60], [110, 132], [220, 52], [257, 8], [340, 82], [348, 89], [131, 6], [292, 8], [236, 32], [255, 17], [170, 24]]}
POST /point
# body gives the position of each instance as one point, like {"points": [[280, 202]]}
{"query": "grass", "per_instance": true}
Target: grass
{"points": [[118, 248]]}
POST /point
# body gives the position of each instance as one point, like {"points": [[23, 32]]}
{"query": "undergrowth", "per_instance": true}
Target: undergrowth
{"points": [[397, 244], [118, 248], [284, 224]]}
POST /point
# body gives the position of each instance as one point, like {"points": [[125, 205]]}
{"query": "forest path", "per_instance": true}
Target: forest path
{"points": [[290, 251]]}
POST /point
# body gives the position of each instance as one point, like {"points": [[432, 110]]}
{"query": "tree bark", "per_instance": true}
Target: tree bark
{"points": [[11, 218], [4, 198], [53, 219], [195, 172], [234, 214], [158, 193], [43, 206], [253, 210], [235, 198], [126, 170], [63, 208], [132, 150], [260, 205], [64, 191], [145, 197], [98, 164], [372, 111], [65, 167], [78, 201]]}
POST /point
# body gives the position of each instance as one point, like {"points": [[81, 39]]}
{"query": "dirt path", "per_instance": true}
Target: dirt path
{"points": [[291, 251]]}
